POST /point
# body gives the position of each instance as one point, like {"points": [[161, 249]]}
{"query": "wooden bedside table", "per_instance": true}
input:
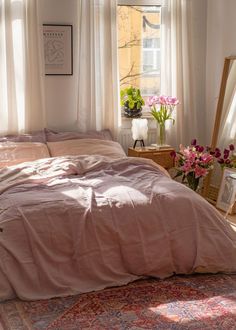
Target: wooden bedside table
{"points": [[159, 156]]}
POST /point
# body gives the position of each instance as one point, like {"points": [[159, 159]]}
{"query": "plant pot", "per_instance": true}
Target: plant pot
{"points": [[132, 113]]}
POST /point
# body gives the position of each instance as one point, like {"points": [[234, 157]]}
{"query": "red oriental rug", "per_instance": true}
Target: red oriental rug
{"points": [[180, 302]]}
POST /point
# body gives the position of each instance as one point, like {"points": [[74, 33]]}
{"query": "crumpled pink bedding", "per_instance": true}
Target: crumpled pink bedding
{"points": [[82, 223]]}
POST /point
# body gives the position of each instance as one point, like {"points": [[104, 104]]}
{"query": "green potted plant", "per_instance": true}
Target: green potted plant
{"points": [[131, 101]]}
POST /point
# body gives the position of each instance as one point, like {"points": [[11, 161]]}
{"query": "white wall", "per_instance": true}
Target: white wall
{"points": [[221, 42], [61, 91]]}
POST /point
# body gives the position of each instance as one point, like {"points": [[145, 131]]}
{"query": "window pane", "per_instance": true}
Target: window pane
{"points": [[151, 42], [156, 43], [147, 43], [139, 47], [148, 58]]}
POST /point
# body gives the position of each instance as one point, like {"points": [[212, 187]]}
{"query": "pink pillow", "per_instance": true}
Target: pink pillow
{"points": [[12, 153], [38, 136], [53, 136], [77, 147]]}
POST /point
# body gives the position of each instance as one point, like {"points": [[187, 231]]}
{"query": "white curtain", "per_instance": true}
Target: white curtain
{"points": [[98, 88], [229, 129], [178, 78], [21, 92]]}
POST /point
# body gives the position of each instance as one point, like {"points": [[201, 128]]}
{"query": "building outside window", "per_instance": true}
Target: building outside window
{"points": [[139, 39]]}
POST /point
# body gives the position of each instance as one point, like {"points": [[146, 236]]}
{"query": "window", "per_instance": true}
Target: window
{"points": [[139, 39], [151, 56]]}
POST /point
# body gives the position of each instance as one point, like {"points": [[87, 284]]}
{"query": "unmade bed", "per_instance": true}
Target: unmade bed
{"points": [[84, 217]]}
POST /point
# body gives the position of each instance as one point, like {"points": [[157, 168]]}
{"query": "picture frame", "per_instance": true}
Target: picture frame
{"points": [[227, 192], [58, 49]]}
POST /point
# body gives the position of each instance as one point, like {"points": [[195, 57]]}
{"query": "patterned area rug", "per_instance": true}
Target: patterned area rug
{"points": [[181, 302]]}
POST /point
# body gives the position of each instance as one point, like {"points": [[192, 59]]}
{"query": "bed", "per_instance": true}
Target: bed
{"points": [[78, 215]]}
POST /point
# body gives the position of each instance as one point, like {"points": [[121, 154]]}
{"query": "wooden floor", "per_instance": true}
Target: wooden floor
{"points": [[230, 217]]}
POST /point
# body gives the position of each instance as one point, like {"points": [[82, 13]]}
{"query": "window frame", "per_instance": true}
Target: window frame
{"points": [[140, 2], [159, 3]]}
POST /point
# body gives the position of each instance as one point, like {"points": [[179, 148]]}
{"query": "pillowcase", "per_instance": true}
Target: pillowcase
{"points": [[86, 147], [53, 136], [38, 136], [12, 153]]}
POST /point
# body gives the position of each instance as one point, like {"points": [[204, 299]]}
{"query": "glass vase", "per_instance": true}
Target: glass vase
{"points": [[161, 134], [193, 182]]}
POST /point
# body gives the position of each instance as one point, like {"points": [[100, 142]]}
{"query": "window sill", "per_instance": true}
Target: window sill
{"points": [[126, 122], [145, 115]]}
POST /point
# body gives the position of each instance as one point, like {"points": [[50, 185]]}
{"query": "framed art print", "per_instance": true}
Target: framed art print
{"points": [[227, 192], [58, 49]]}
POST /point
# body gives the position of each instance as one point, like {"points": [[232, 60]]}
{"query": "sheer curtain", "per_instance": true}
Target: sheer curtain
{"points": [[98, 88], [21, 92], [229, 128], [182, 65]]}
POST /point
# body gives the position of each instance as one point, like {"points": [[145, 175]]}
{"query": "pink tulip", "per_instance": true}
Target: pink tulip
{"points": [[226, 157], [150, 101], [172, 100], [200, 148], [166, 106], [221, 161], [193, 142], [217, 154], [162, 100]]}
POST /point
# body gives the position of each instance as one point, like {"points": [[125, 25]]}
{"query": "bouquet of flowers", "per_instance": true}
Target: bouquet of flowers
{"points": [[227, 158], [193, 162], [166, 107], [161, 109]]}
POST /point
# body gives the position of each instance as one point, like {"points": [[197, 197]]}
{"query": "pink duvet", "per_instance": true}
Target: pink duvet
{"points": [[82, 223]]}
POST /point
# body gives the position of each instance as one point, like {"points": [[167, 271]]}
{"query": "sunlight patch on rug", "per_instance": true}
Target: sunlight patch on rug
{"points": [[180, 302]]}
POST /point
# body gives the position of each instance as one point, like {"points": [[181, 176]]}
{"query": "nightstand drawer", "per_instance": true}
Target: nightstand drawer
{"points": [[159, 156], [162, 158]]}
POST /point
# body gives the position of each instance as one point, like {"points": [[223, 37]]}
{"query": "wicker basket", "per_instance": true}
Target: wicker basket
{"points": [[212, 194]]}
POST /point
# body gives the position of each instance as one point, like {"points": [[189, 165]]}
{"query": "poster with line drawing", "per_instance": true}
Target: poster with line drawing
{"points": [[58, 49]]}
